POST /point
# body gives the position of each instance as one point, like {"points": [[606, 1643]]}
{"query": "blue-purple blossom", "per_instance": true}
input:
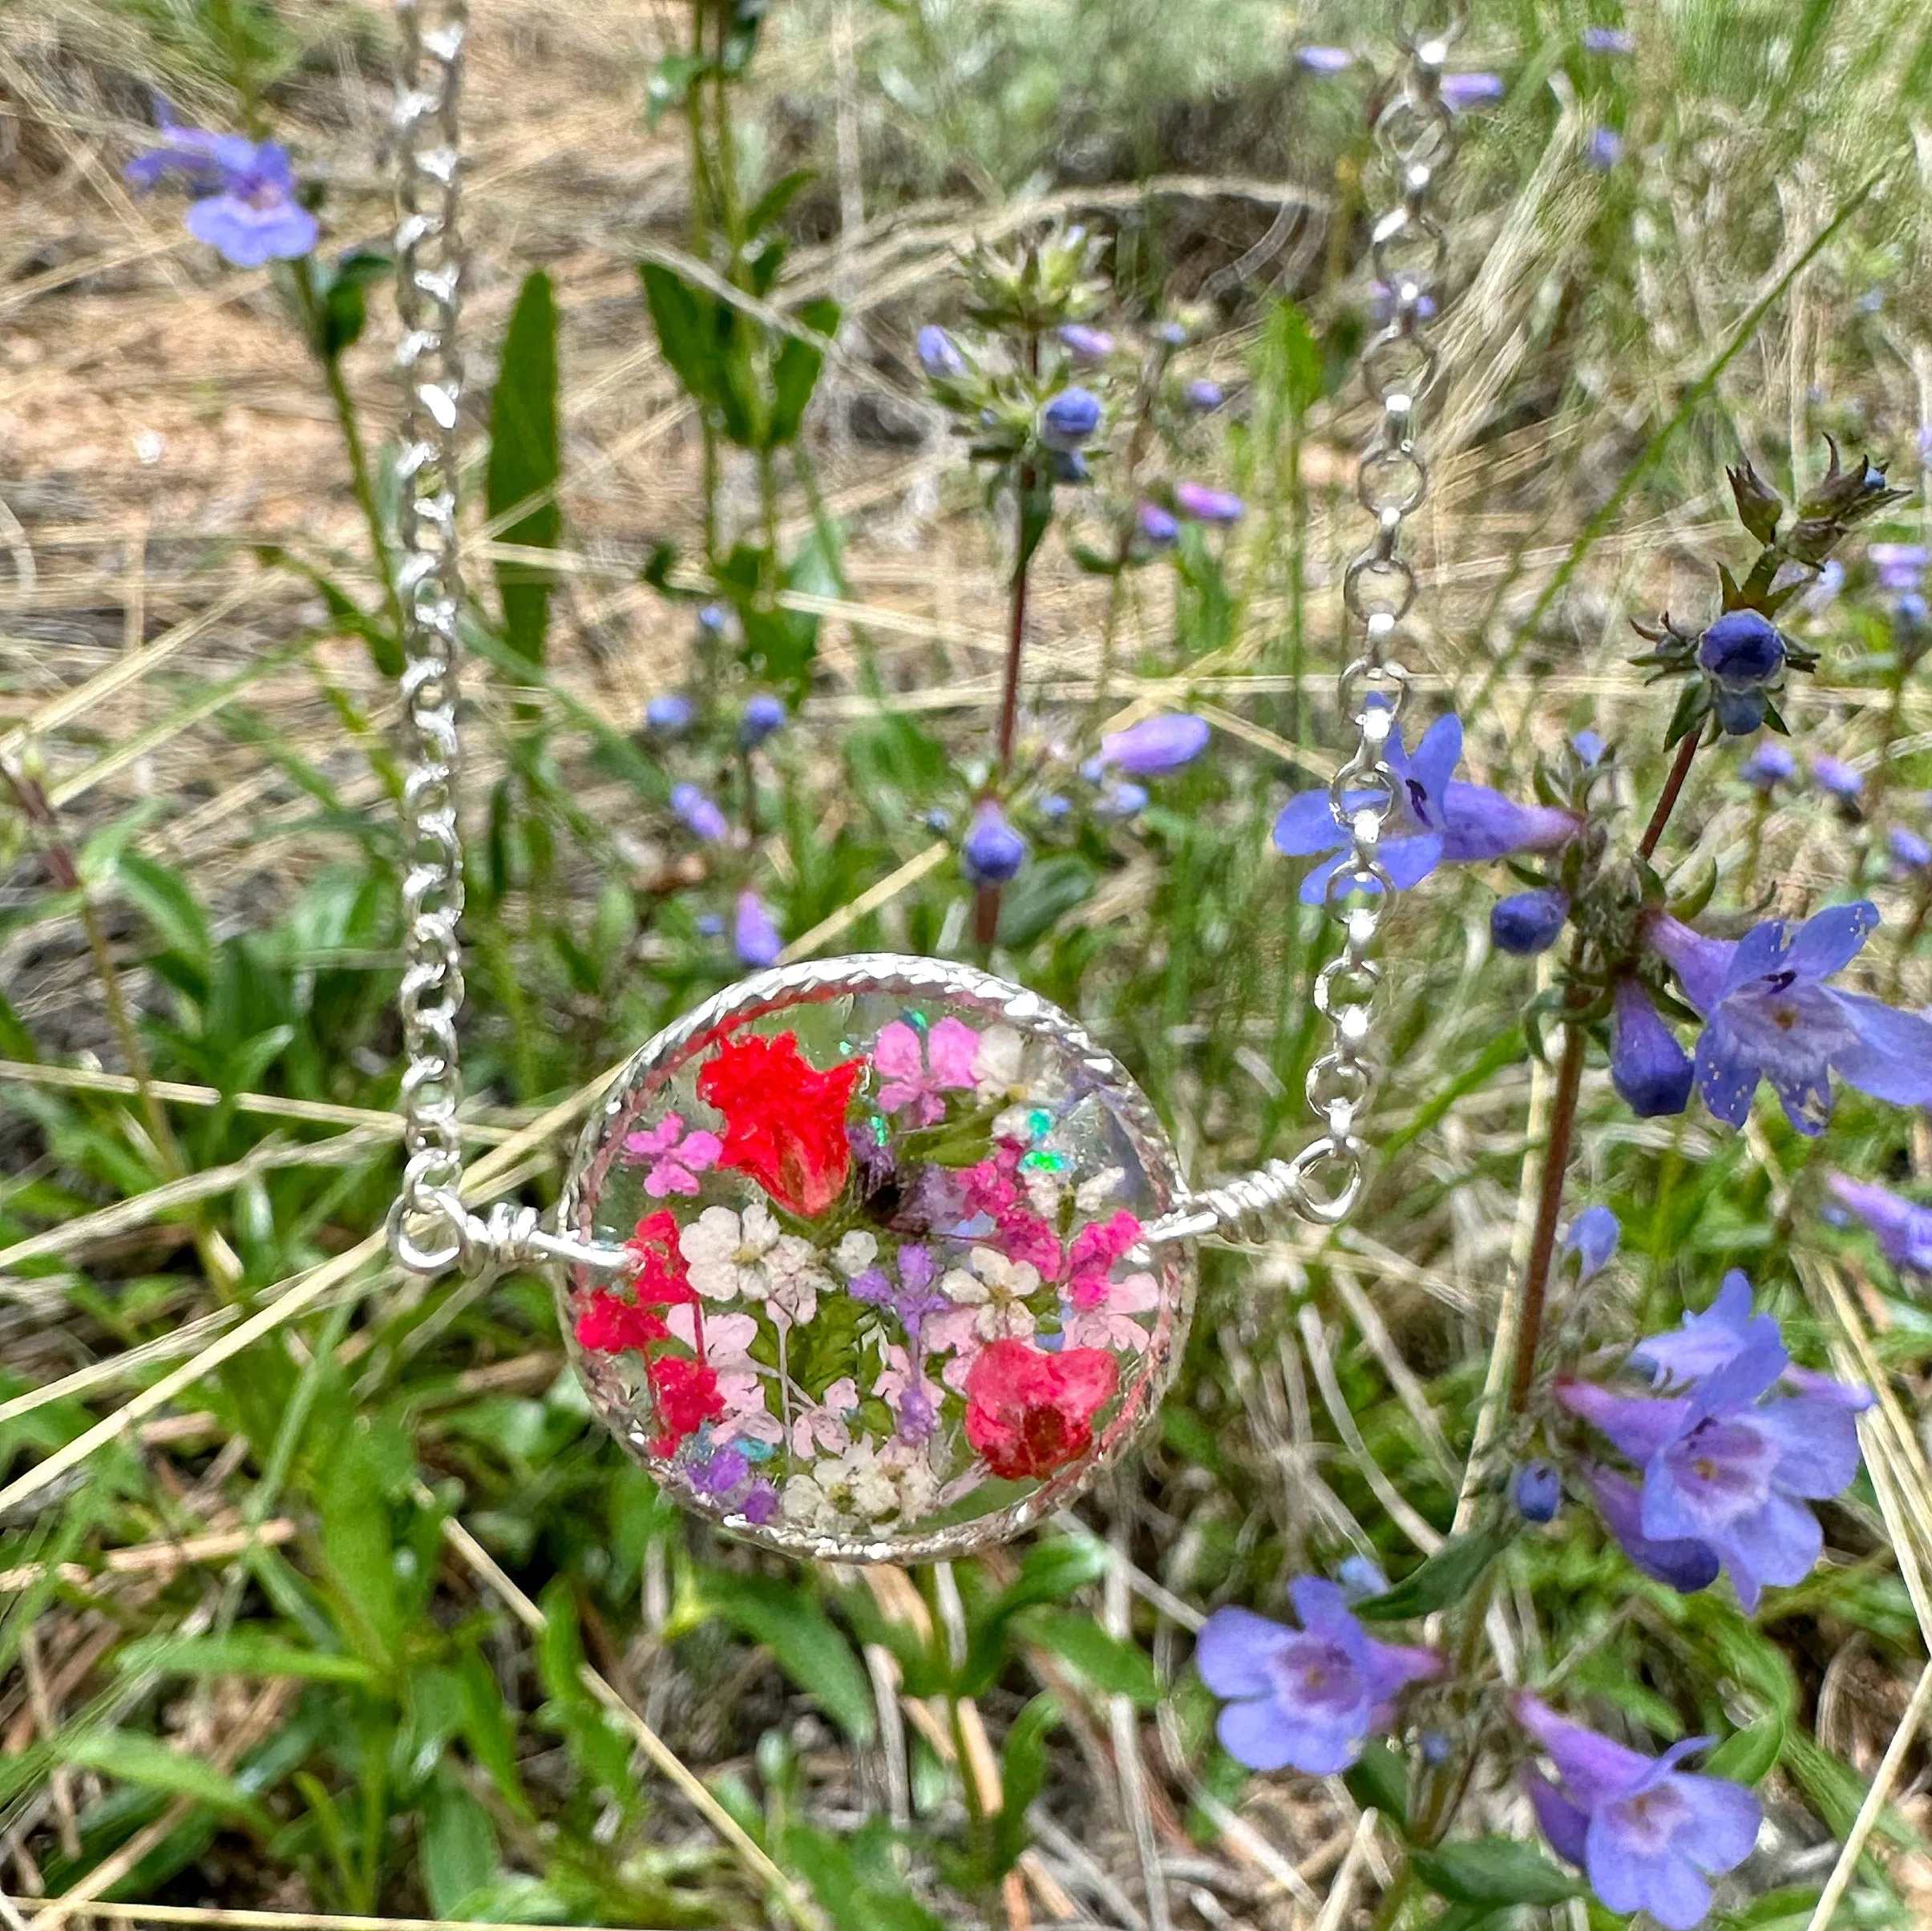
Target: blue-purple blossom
{"points": [[1085, 343], [245, 207], [1436, 817], [1648, 1835], [1464, 90], [1206, 505], [1068, 419], [940, 355], [1537, 1489], [1769, 764], [1653, 1074], [1593, 1238], [754, 935], [1158, 525], [1589, 748], [1156, 746], [1361, 1578], [1122, 799], [1836, 778], [1683, 1565], [1742, 654], [1769, 1015], [1304, 1699], [763, 716], [992, 851], [1527, 922], [1900, 566], [1608, 40], [1727, 1461], [669, 713], [1604, 149], [714, 621], [1324, 60], [1902, 1227], [1910, 853], [1055, 808], [1204, 393], [700, 816]]}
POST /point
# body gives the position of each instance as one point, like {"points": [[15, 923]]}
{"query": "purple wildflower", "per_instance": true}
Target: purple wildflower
{"points": [[1652, 1073], [940, 355], [1604, 150], [1361, 1578], [760, 1503], [1156, 746], [1648, 1834], [1055, 808], [764, 715], [1589, 748], [669, 713], [1537, 1489], [1204, 394], [1686, 1566], [1305, 1700], [1769, 1015], [1592, 1238], [1084, 343], [1464, 90], [1903, 1228], [1742, 654], [1608, 40], [700, 816], [754, 936], [1910, 853], [1156, 526], [992, 850], [245, 207], [1836, 778], [1122, 799], [1771, 763], [1527, 922], [1324, 60], [1900, 566], [1436, 817], [1205, 505], [1068, 419]]}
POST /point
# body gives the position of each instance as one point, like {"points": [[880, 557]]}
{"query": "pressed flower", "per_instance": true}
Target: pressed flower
{"points": [[996, 1288], [1903, 1228], [1155, 746], [683, 1397], [245, 208], [1648, 1835], [1105, 1318], [673, 1156], [1029, 1413], [784, 1120], [825, 1424], [1304, 1699], [916, 1074], [608, 1324]]}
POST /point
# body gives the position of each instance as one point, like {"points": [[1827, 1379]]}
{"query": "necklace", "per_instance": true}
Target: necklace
{"points": [[878, 1259]]}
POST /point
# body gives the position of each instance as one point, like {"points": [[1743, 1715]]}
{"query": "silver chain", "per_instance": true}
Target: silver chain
{"points": [[1415, 139], [429, 292]]}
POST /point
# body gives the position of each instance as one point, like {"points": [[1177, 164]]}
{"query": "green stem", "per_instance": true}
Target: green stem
{"points": [[1401, 1887]]}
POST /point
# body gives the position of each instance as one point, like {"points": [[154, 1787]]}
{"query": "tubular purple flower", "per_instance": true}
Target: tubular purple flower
{"points": [[1903, 1228], [1537, 1490], [1304, 1699], [1464, 90], [1156, 526], [992, 851], [940, 355], [1593, 1238], [1527, 922], [1900, 566], [1770, 1016], [700, 816], [245, 207], [1651, 1073], [1085, 343], [1836, 778], [1122, 799], [1742, 648], [1648, 1835], [1205, 505], [1156, 746], [754, 934], [1589, 748], [1069, 419], [1910, 853], [1686, 1566]]}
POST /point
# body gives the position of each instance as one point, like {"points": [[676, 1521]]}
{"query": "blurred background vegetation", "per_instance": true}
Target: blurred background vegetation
{"points": [[323, 1593]]}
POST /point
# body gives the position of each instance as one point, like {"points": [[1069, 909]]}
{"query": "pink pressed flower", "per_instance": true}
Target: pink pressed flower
{"points": [[1109, 1321], [822, 1425], [917, 1074], [675, 1157]]}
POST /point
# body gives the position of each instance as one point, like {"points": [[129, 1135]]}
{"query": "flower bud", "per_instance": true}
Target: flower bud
{"points": [[1650, 1071], [1742, 650], [1068, 419], [992, 851], [1836, 778], [1203, 394], [1360, 1578], [1527, 922], [1537, 1490], [1770, 764], [669, 713], [1605, 149], [763, 716], [940, 355], [1900, 566], [1608, 40], [1463, 91], [1124, 800], [1910, 853], [1759, 506], [1324, 60], [1155, 746], [1084, 343], [701, 818], [1205, 505], [1156, 525]]}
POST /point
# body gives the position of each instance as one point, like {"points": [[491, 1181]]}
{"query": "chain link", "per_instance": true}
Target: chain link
{"points": [[429, 290]]}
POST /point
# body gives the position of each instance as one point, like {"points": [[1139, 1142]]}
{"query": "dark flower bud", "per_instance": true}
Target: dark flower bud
{"points": [[992, 851], [1650, 1071], [1742, 650], [1068, 419], [1739, 712], [1527, 922], [1537, 1490], [1759, 506]]}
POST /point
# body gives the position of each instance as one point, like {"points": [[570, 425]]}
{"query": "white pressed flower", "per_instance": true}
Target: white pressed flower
{"points": [[998, 1288], [726, 1252], [998, 1064], [855, 1253]]}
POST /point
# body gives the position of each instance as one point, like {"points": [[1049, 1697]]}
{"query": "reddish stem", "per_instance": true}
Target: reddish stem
{"points": [[1673, 787]]}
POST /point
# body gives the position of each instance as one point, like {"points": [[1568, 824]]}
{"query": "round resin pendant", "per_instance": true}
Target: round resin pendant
{"points": [[891, 1299]]}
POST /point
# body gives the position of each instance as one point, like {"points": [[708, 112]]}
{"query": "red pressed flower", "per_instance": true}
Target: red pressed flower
{"points": [[685, 1395], [784, 1120], [609, 1325], [1028, 1413], [663, 1279]]}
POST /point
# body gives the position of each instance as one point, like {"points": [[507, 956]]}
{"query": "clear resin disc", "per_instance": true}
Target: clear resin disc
{"points": [[891, 1299]]}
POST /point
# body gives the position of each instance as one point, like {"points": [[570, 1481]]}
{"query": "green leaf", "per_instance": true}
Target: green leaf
{"points": [[460, 1852], [133, 1757], [696, 333], [769, 208], [1111, 1663], [669, 85], [599, 1751], [802, 1639], [1750, 1755], [358, 1553], [1050, 1573], [163, 898], [1494, 1871], [526, 460], [487, 1731], [1022, 1776], [1380, 1781], [241, 1652], [343, 310], [1447, 1577], [794, 374], [1041, 896]]}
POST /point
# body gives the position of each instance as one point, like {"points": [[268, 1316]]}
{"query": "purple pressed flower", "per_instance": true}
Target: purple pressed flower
{"points": [[722, 1472], [1156, 525], [940, 355], [1648, 1835], [1769, 1015], [1769, 764], [754, 937], [1068, 419], [1204, 394], [1361, 1578], [1527, 922], [1900, 566], [1537, 1490], [1205, 505], [1904, 1229], [763, 716], [1155, 746], [992, 851], [1463, 91], [669, 713], [1608, 40], [1305, 1700], [1651, 1073], [1324, 60], [1436, 817], [1592, 1238], [760, 1503], [245, 207], [1835, 778], [701, 818], [1910, 853], [1605, 149], [1686, 1566], [1085, 343]]}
